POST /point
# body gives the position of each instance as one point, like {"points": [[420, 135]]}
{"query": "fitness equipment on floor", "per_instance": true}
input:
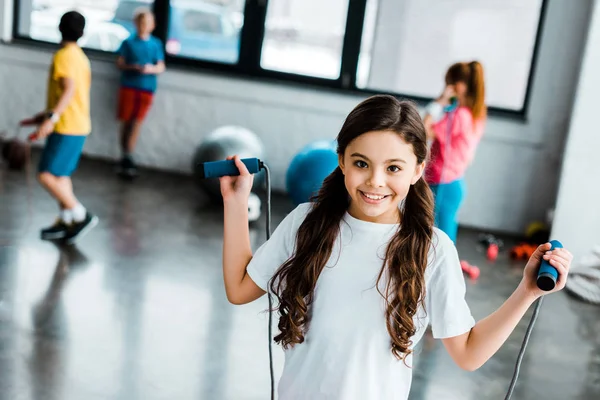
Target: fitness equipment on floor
{"points": [[15, 152]]}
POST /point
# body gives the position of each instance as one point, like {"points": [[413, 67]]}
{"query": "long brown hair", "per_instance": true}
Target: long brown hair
{"points": [[470, 74], [406, 256]]}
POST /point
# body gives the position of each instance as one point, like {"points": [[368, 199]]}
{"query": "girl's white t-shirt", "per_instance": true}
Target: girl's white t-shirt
{"points": [[346, 353]]}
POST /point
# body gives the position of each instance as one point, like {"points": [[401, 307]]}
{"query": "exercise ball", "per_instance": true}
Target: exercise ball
{"points": [[218, 145], [14, 153], [309, 167]]}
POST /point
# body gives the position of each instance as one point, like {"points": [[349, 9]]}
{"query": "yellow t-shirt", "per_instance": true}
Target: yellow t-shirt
{"points": [[71, 62]]}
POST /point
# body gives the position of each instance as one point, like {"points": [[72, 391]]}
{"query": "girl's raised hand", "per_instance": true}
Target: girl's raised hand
{"points": [[237, 188], [447, 94], [558, 258]]}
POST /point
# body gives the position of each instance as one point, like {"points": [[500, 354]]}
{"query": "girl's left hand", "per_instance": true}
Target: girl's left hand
{"points": [[558, 258], [447, 94]]}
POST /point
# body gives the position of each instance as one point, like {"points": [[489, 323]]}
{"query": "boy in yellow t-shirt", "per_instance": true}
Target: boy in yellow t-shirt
{"points": [[65, 124]]}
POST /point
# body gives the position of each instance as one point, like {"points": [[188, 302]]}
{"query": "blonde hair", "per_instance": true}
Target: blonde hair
{"points": [[141, 12]]}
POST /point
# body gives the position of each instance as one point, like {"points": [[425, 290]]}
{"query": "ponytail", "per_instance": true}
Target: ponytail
{"points": [[406, 261], [476, 91], [293, 284]]}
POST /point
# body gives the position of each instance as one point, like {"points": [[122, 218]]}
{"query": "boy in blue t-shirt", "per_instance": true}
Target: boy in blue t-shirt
{"points": [[141, 58]]}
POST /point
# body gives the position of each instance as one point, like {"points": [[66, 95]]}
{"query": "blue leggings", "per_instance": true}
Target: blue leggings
{"points": [[448, 199]]}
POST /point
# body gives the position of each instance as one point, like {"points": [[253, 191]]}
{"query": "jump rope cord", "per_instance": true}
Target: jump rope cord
{"points": [[513, 382], [268, 184]]}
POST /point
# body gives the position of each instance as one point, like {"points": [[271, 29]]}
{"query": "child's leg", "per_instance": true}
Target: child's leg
{"points": [[77, 212], [448, 199], [133, 133], [125, 114], [58, 189], [125, 133], [135, 106], [142, 104], [59, 160]]}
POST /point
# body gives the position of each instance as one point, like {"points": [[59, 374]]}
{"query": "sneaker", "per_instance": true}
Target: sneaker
{"points": [[78, 229], [128, 167], [56, 231]]}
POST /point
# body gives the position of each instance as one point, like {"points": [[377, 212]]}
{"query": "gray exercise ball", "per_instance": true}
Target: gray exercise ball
{"points": [[221, 143]]}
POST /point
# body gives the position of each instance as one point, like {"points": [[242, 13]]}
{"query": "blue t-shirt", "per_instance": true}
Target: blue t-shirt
{"points": [[139, 51]]}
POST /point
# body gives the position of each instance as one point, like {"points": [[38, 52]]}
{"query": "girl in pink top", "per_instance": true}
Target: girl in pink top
{"points": [[455, 124]]}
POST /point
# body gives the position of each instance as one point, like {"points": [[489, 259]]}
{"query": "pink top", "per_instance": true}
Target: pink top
{"points": [[452, 152]]}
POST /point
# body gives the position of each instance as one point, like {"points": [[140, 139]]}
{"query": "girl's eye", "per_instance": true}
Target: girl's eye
{"points": [[360, 164], [394, 168]]}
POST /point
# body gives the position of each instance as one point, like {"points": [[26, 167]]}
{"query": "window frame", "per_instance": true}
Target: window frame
{"points": [[251, 41]]}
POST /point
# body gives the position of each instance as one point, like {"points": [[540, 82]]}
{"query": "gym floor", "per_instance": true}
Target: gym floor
{"points": [[137, 309]]}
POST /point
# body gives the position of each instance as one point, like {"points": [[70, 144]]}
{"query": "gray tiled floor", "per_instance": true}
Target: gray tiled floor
{"points": [[137, 310]]}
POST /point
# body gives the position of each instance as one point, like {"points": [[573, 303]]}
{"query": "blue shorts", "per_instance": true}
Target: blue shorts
{"points": [[61, 154]]}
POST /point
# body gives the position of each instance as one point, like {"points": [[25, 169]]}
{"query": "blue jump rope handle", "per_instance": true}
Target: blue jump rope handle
{"points": [[216, 169], [547, 274], [452, 106]]}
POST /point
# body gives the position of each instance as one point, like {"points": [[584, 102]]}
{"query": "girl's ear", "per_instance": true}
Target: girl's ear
{"points": [[341, 163], [418, 173]]}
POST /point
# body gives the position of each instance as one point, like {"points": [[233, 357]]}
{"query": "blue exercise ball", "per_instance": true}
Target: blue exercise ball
{"points": [[309, 168]]}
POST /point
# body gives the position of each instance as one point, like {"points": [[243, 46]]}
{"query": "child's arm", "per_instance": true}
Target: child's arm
{"points": [[155, 69], [123, 66], [237, 252], [472, 349], [35, 120], [158, 65], [68, 90], [67, 86]]}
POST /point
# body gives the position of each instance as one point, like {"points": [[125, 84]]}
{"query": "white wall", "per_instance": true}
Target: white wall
{"points": [[513, 179], [577, 215]]}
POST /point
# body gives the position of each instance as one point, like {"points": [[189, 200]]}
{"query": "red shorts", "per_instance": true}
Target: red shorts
{"points": [[134, 104]]}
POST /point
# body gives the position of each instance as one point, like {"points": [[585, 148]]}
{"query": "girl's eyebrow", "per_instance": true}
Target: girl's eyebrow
{"points": [[387, 161]]}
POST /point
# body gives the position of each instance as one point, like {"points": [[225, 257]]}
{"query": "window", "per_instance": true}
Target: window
{"points": [[305, 37], [408, 45], [39, 19], [403, 47], [95, 41], [126, 10], [205, 30], [202, 22]]}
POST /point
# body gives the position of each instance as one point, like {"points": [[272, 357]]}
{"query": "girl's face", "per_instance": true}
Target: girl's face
{"points": [[460, 88], [379, 167]]}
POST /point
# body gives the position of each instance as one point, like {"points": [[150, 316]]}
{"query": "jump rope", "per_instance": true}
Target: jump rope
{"points": [[546, 278]]}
